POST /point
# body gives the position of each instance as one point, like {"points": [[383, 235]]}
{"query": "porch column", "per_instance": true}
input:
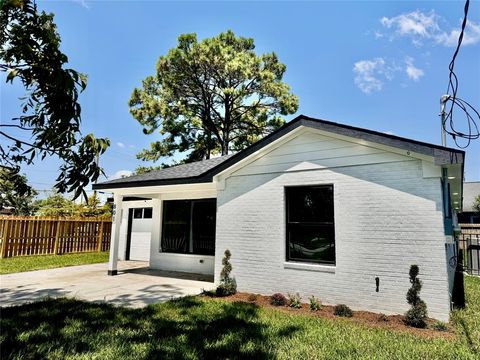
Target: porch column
{"points": [[115, 235], [156, 229]]}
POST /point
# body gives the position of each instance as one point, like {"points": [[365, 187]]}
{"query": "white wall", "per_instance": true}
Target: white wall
{"points": [[200, 264], [387, 217]]}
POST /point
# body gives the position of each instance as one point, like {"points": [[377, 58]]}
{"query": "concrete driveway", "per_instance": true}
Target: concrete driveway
{"points": [[134, 286]]}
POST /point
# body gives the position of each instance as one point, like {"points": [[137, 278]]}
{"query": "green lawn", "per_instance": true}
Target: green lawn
{"points": [[201, 328], [39, 262]]}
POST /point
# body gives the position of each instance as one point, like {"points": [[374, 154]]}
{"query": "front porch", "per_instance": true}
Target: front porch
{"points": [[171, 227]]}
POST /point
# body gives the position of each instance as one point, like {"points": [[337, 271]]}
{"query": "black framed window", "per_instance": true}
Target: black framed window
{"points": [[310, 224], [142, 213], [188, 226], [147, 213], [137, 213]]}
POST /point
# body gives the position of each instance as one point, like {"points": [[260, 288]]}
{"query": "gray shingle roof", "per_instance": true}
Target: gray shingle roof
{"points": [[203, 171], [185, 171]]}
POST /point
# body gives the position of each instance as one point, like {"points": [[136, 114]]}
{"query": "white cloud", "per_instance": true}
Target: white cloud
{"points": [[471, 36], [82, 3], [120, 174], [413, 72], [421, 27], [415, 23], [120, 145], [370, 74], [131, 146]]}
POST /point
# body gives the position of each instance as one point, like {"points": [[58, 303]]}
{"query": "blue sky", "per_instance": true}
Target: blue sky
{"points": [[378, 65]]}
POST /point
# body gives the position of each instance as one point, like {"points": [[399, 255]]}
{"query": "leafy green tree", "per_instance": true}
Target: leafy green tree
{"points": [[57, 205], [93, 208], [15, 193], [211, 97], [476, 204], [145, 169], [50, 112]]}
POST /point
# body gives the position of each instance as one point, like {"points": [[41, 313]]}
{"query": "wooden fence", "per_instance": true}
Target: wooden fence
{"points": [[21, 236]]}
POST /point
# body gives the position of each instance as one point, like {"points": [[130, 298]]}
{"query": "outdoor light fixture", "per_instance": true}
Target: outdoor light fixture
{"points": [[451, 177]]}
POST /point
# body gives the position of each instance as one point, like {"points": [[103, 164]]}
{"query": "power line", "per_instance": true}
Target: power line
{"points": [[472, 115]]}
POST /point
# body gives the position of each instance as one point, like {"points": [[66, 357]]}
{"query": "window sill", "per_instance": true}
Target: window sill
{"points": [[172, 254], [309, 267]]}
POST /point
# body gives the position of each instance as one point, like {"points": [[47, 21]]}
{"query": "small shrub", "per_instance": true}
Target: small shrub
{"points": [[252, 297], [228, 285], [343, 310], [382, 318], [278, 300], [439, 326], [417, 314], [209, 293], [315, 304], [294, 301]]}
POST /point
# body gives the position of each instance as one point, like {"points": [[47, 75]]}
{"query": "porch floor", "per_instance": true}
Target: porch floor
{"points": [[135, 285]]}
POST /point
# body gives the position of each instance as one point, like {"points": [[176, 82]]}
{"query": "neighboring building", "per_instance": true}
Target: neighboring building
{"points": [[316, 207], [470, 192]]}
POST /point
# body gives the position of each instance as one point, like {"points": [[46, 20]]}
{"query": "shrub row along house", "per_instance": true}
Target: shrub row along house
{"points": [[316, 207]]}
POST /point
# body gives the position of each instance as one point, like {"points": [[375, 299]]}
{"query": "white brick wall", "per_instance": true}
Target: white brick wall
{"points": [[387, 217]]}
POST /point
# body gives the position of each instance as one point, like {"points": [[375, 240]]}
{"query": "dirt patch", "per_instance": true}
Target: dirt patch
{"points": [[392, 322]]}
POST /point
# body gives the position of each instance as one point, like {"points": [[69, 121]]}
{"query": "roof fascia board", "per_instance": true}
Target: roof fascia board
{"points": [[163, 189]]}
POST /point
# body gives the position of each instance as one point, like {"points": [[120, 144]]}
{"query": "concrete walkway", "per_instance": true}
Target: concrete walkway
{"points": [[134, 286]]}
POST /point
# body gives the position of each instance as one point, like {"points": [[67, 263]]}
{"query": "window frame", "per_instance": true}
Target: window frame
{"points": [[142, 212], [289, 259], [190, 225]]}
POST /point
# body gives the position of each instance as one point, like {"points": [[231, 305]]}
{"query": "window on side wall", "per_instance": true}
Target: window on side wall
{"points": [[310, 224]]}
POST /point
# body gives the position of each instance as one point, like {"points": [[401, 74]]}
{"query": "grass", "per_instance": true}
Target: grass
{"points": [[201, 328], [40, 262]]}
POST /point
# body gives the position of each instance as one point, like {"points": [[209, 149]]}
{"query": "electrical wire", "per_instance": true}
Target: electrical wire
{"points": [[472, 115]]}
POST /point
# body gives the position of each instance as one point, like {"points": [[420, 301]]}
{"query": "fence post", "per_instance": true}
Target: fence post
{"points": [[5, 239], [100, 237], [57, 236]]}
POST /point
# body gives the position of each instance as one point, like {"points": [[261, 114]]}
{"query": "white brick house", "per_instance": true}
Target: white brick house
{"points": [[317, 208]]}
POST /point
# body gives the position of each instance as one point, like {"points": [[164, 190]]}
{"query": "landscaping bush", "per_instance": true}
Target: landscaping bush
{"points": [[343, 310], [439, 326], [228, 285], [278, 300], [294, 301], [417, 314], [315, 304]]}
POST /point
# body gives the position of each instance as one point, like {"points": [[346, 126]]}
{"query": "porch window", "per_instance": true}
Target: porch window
{"points": [[189, 226], [310, 224]]}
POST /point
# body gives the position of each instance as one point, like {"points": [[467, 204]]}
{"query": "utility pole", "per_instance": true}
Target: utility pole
{"points": [[443, 104], [97, 160]]}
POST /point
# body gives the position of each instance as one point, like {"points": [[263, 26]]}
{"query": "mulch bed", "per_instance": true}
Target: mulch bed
{"points": [[392, 322]]}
